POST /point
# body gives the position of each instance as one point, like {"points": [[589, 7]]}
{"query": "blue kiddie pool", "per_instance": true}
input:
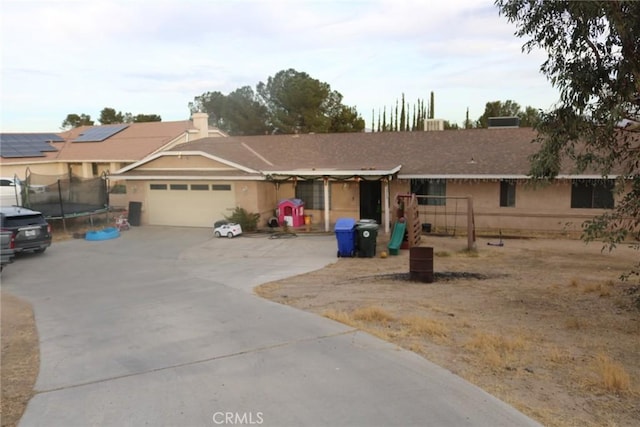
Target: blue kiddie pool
{"points": [[104, 234]]}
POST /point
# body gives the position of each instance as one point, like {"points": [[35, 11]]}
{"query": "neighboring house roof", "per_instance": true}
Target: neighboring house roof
{"points": [[463, 154], [130, 144], [125, 143]]}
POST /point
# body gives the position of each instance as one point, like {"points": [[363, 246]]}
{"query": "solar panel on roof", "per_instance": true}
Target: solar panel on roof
{"points": [[13, 145], [100, 133], [30, 137]]}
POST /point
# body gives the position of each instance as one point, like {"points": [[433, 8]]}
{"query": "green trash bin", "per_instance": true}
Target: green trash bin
{"points": [[367, 238]]}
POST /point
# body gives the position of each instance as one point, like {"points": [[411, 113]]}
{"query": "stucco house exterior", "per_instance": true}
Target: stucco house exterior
{"points": [[358, 175]]}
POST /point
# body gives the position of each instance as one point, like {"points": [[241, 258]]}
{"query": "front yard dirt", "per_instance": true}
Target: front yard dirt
{"points": [[545, 325], [20, 358]]}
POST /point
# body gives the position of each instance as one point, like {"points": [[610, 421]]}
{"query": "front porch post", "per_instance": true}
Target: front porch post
{"points": [[87, 171], [386, 206], [326, 204]]}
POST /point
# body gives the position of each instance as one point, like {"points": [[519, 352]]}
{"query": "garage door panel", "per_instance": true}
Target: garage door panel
{"points": [[177, 206]]}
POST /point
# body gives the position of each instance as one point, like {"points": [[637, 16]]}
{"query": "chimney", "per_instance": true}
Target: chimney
{"points": [[201, 122]]}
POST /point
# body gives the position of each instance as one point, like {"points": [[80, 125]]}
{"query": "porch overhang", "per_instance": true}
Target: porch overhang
{"points": [[331, 174]]}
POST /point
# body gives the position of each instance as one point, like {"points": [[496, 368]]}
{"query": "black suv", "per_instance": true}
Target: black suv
{"points": [[31, 232]]}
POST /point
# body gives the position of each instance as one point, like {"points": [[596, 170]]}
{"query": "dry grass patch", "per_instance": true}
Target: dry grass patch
{"points": [[265, 291], [612, 375], [495, 350], [340, 316], [416, 347], [360, 317], [471, 253], [557, 355], [442, 254], [372, 314], [424, 327]]}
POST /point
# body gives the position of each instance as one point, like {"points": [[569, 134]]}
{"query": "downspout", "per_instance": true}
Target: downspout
{"points": [[326, 204], [386, 205]]}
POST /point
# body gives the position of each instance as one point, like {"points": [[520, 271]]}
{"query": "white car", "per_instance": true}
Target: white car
{"points": [[10, 191], [230, 230]]}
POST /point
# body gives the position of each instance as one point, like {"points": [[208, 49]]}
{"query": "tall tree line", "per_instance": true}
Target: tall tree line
{"points": [[406, 117], [289, 102], [108, 116]]}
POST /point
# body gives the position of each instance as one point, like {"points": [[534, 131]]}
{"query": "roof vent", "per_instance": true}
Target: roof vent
{"points": [[503, 122]]}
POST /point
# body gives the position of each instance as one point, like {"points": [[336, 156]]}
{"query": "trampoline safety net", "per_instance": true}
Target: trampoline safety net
{"points": [[65, 196]]}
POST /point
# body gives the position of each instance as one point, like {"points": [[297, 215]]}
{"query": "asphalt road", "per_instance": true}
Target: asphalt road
{"points": [[159, 327]]}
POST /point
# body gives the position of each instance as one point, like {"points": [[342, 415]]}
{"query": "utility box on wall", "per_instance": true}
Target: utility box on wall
{"points": [[291, 212]]}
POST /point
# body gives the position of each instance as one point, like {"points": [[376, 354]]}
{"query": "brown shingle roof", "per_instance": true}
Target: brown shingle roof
{"points": [[470, 153], [460, 152]]}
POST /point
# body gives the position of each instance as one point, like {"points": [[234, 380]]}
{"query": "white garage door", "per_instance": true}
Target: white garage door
{"points": [[191, 204]]}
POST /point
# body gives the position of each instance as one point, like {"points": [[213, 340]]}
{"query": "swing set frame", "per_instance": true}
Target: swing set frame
{"points": [[438, 215]]}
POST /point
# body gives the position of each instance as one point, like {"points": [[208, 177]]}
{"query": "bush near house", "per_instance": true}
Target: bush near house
{"points": [[247, 220]]}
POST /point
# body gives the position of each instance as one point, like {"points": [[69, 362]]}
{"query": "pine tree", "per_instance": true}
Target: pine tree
{"points": [[373, 120], [415, 123], [467, 122], [395, 126], [431, 107], [403, 119], [384, 119]]}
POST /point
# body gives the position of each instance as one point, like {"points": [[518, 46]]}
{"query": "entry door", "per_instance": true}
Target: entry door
{"points": [[371, 200]]}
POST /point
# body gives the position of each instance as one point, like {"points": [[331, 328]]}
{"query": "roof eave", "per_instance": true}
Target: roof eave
{"points": [[334, 172], [495, 176]]}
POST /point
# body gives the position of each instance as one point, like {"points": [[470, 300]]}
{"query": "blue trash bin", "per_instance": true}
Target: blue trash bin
{"points": [[346, 235]]}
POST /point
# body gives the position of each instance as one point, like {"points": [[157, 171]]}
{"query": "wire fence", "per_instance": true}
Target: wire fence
{"points": [[65, 196]]}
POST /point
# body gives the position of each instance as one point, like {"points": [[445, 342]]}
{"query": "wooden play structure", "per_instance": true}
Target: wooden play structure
{"points": [[406, 210]]}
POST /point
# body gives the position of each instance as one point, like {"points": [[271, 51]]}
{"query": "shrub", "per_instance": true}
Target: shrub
{"points": [[248, 221]]}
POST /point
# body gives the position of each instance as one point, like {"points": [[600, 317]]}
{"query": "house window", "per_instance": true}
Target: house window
{"points": [[592, 194], [158, 186], [312, 193], [178, 187], [507, 194], [200, 187], [430, 187], [94, 169], [221, 187]]}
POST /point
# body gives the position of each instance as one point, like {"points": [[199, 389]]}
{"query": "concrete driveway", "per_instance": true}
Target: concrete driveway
{"points": [[159, 327]]}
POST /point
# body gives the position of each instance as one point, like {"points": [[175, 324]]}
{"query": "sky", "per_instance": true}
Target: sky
{"points": [[155, 56]]}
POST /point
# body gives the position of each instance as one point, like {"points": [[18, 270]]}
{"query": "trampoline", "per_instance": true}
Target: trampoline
{"points": [[65, 196]]}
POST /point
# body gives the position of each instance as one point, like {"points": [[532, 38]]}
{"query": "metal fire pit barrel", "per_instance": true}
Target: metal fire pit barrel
{"points": [[421, 264]]}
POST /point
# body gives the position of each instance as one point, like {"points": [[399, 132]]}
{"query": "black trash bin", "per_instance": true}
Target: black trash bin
{"points": [[367, 237], [135, 212]]}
